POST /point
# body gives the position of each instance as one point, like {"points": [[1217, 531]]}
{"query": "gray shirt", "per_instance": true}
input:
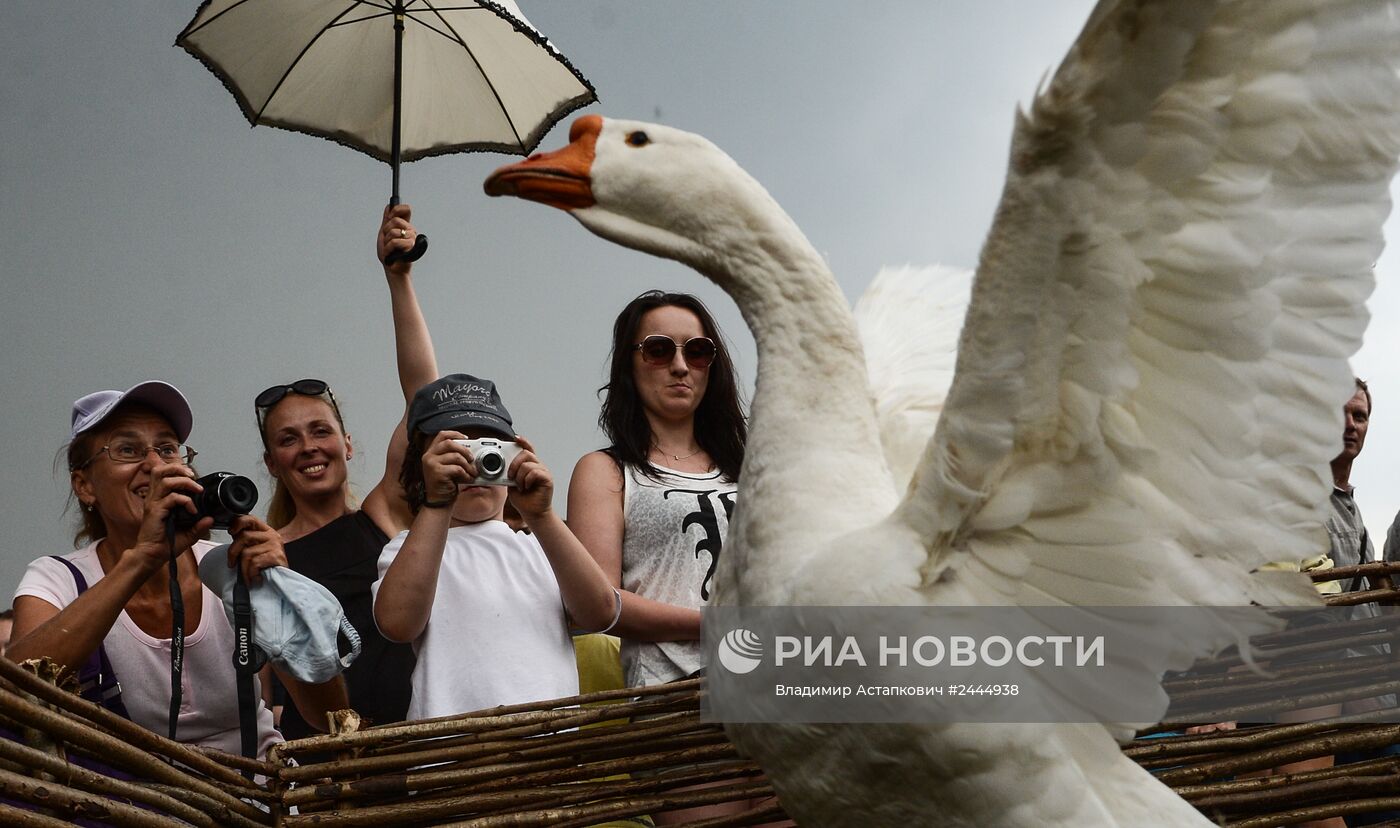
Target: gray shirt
{"points": [[1351, 545], [1392, 540], [1347, 534]]}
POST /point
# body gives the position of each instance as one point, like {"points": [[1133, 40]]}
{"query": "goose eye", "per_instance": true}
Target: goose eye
{"points": [[638, 139]]}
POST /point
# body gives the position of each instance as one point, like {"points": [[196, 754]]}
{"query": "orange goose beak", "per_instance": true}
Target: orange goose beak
{"points": [[560, 178]]}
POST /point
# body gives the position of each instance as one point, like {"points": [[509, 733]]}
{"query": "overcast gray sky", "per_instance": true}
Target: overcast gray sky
{"points": [[147, 232]]}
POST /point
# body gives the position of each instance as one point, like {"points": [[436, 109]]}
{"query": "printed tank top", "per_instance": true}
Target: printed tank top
{"points": [[673, 534]]}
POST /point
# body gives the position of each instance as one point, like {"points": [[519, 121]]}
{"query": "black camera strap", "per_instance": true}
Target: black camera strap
{"points": [[177, 628], [246, 665]]}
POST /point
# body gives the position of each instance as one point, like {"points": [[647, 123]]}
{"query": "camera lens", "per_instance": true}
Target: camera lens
{"points": [[489, 463], [225, 497], [238, 495]]}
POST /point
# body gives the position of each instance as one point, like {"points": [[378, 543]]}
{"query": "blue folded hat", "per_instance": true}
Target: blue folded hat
{"points": [[295, 620]]}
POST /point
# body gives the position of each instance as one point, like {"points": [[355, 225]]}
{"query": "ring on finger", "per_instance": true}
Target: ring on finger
{"points": [[403, 234]]}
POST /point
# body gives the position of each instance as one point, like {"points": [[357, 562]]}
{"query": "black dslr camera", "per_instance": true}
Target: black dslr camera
{"points": [[226, 496]]}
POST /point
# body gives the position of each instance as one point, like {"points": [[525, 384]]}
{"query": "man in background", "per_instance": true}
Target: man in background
{"points": [[7, 622], [1345, 529]]}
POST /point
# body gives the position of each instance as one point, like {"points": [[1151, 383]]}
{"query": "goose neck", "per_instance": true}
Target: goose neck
{"points": [[812, 411]]}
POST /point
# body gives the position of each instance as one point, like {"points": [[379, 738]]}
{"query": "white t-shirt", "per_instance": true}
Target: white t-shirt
{"points": [[497, 633], [209, 692]]}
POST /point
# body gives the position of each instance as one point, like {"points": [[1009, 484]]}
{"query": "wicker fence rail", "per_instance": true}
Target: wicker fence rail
{"points": [[624, 753]]}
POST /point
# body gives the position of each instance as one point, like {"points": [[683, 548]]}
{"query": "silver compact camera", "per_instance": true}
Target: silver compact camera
{"points": [[493, 458]]}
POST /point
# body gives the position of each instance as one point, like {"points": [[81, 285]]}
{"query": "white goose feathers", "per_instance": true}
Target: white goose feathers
{"points": [[1148, 380]]}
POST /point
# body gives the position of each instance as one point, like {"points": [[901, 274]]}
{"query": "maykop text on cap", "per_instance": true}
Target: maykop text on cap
{"points": [[457, 402]]}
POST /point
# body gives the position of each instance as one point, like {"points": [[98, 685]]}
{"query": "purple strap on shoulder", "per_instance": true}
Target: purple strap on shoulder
{"points": [[97, 681]]}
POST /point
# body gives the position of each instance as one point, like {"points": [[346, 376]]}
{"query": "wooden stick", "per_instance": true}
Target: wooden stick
{"points": [[1273, 757], [1244, 711], [81, 804], [645, 760], [237, 762], [1273, 645], [126, 730], [20, 818], [522, 775], [551, 744], [599, 812], [105, 747], [510, 769], [1239, 740], [94, 782], [1367, 717], [556, 795], [409, 754], [1281, 691], [543, 772], [684, 686], [564, 756], [522, 723], [755, 816], [1347, 787], [1191, 683], [1296, 815], [593, 719], [1366, 768], [1339, 572], [388, 733]]}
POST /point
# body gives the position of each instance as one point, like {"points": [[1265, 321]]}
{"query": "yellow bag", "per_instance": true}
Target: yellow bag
{"points": [[1320, 562]]}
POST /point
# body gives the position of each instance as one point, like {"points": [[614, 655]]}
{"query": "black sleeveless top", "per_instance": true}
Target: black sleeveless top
{"points": [[343, 557]]}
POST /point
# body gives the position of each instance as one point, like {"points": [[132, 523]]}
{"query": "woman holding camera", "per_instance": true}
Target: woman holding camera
{"points": [[307, 450], [653, 508], [129, 471]]}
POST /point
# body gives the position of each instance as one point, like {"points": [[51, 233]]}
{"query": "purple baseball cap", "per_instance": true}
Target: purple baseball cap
{"points": [[92, 409]]}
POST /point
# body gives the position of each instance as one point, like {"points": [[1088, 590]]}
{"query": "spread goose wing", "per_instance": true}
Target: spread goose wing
{"points": [[1150, 378], [909, 319]]}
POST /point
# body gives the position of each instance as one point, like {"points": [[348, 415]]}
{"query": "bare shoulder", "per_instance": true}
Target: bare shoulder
{"points": [[596, 473]]}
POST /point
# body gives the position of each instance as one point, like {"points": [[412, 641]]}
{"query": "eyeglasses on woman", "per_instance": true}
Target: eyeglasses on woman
{"points": [[126, 453]]}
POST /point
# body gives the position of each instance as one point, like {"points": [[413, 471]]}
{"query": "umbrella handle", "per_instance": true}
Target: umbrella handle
{"points": [[420, 246]]}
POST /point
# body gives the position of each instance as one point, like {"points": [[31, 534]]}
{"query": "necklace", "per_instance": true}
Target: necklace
{"points": [[679, 457]]}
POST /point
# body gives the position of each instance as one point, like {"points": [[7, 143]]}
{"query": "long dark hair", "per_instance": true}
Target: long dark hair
{"points": [[411, 472], [720, 427]]}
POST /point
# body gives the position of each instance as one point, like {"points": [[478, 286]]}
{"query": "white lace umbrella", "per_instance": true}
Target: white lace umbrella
{"points": [[398, 80]]}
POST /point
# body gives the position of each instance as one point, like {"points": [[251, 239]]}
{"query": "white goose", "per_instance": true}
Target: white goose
{"points": [[1148, 383]]}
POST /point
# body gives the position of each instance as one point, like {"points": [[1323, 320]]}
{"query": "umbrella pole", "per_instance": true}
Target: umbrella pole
{"points": [[420, 244]]}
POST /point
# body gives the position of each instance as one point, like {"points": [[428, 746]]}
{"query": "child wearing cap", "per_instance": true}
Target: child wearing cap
{"points": [[487, 609]]}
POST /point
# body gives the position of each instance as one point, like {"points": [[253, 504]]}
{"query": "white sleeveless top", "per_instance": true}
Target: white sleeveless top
{"points": [[673, 534], [208, 689]]}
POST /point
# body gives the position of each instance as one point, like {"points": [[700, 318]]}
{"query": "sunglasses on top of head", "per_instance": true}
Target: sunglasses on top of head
{"points": [[306, 387], [699, 351]]}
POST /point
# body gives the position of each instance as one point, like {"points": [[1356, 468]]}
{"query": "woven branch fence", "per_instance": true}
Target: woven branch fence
{"points": [[627, 753]]}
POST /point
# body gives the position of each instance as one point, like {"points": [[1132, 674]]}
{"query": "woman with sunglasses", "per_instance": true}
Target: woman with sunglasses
{"points": [[306, 449], [653, 508], [110, 601]]}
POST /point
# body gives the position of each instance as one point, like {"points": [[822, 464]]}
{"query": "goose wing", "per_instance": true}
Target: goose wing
{"points": [[1150, 378], [909, 319]]}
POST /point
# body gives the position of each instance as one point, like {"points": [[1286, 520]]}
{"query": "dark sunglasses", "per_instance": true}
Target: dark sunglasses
{"points": [[306, 387], [699, 351]]}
